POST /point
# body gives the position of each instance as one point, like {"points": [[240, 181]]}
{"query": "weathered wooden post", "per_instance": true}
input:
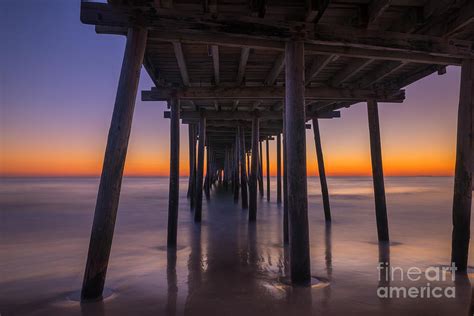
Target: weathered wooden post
{"points": [[268, 171], [207, 181], [377, 171], [278, 168], [112, 170], [174, 174], [235, 158], [286, 235], [192, 164], [260, 170], [243, 170], [254, 172], [192, 159], [322, 172], [463, 171], [295, 130], [200, 168]]}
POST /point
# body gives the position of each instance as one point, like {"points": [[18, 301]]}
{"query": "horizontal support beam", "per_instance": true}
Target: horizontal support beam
{"points": [[273, 92], [191, 116], [269, 34]]}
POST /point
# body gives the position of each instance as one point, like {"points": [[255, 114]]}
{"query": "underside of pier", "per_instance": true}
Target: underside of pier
{"points": [[242, 73]]}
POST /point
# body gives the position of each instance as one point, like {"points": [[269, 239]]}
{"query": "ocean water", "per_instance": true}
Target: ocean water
{"points": [[223, 266]]}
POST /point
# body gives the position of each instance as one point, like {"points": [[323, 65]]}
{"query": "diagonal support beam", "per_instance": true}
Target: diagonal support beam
{"points": [[276, 70], [183, 69], [244, 57]]}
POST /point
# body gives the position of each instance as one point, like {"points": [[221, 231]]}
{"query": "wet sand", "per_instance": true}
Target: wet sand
{"points": [[225, 266]]}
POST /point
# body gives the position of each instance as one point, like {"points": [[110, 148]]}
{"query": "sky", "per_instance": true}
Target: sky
{"points": [[58, 80]]}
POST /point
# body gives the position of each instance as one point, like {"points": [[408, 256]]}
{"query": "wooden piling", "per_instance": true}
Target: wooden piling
{"points": [[112, 170], [377, 171], [235, 158], [254, 172], [192, 164], [207, 181], [279, 169], [243, 170], [260, 170], [463, 170], [300, 265], [200, 168], [268, 170], [286, 235], [192, 160], [322, 172], [174, 174]]}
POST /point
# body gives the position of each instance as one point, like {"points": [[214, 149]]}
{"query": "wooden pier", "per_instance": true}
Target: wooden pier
{"points": [[248, 73]]}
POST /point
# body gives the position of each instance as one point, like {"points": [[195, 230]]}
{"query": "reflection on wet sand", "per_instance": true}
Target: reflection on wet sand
{"points": [[226, 266]]}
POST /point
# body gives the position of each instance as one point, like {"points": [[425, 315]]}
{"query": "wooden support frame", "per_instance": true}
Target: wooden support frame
{"points": [[377, 172], [286, 233], [463, 171], [295, 132], [192, 162], [264, 33], [173, 201], [112, 170], [260, 169]]}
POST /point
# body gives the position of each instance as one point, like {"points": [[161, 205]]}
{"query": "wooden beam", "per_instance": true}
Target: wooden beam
{"points": [[276, 70], [244, 56], [300, 259], [271, 92], [323, 37], [178, 52], [258, 8], [377, 9], [173, 201], [268, 169], [315, 10], [235, 105], [318, 64], [350, 71], [463, 170], [380, 73], [112, 170], [215, 63], [377, 171]]}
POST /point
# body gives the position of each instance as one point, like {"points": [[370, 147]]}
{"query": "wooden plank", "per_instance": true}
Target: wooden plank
{"points": [[215, 63], [326, 36], [463, 170], [318, 64], [300, 263], [271, 92], [276, 70], [380, 73], [315, 10], [350, 71], [244, 56], [377, 171], [178, 52], [270, 44], [112, 170], [377, 9], [173, 201]]}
